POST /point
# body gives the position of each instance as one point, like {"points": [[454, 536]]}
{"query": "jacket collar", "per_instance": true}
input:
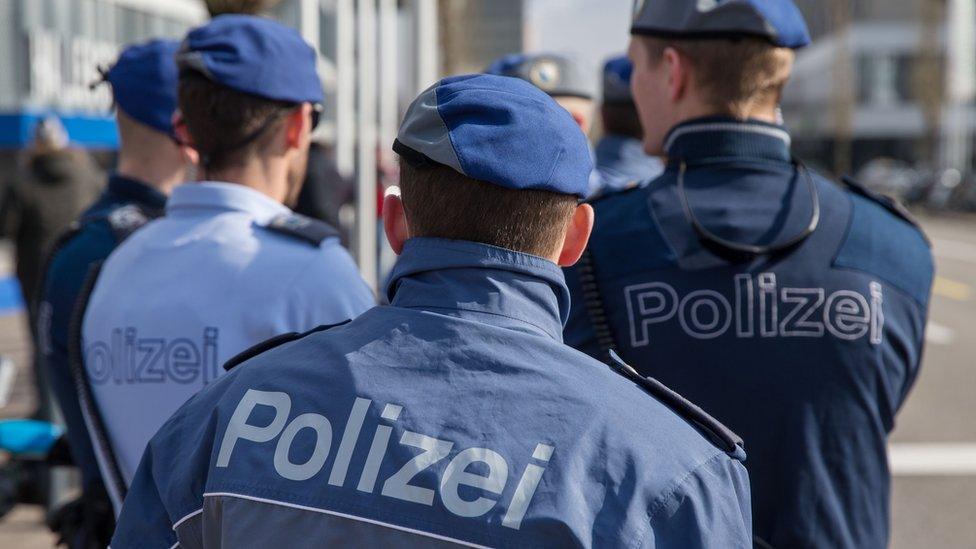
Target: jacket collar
{"points": [[724, 138], [216, 197], [481, 283], [129, 189]]}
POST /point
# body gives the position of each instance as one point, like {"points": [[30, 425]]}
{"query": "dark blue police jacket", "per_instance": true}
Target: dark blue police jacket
{"points": [[453, 417], [807, 354], [92, 238]]}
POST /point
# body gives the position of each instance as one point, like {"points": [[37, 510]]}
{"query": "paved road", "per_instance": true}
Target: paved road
{"points": [[934, 445]]}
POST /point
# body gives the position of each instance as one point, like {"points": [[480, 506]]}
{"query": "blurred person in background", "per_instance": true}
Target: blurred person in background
{"points": [[325, 191], [229, 264], [54, 184], [486, 429], [150, 164], [562, 77], [789, 307], [620, 157]]}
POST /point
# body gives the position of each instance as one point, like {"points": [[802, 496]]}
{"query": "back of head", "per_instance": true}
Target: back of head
{"points": [[143, 81], [491, 160], [618, 111], [734, 76], [711, 57], [221, 120], [441, 203], [239, 76]]}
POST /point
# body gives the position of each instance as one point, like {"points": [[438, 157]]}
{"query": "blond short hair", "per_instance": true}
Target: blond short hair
{"points": [[734, 75]]}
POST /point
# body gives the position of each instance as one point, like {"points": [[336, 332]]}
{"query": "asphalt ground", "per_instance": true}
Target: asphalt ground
{"points": [[933, 457]]}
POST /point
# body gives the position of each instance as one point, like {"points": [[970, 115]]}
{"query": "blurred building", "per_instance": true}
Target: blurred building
{"points": [[874, 83], [50, 51], [475, 32]]}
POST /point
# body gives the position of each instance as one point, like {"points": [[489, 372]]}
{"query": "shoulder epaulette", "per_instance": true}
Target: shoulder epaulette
{"points": [[301, 227], [716, 431], [275, 341], [887, 202], [126, 220]]}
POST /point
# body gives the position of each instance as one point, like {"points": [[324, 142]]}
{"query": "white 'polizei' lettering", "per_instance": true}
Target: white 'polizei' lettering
{"points": [[489, 482], [756, 307]]}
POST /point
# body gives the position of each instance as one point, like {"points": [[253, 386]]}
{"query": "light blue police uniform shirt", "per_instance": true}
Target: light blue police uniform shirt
{"points": [[191, 290], [453, 417]]}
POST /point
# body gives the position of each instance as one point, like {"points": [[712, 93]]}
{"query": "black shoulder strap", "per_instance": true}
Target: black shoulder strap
{"points": [[593, 302], [887, 202], [720, 435], [275, 341], [115, 481], [304, 228]]}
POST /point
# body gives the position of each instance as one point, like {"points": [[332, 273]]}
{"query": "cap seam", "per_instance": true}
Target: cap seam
{"points": [[450, 138]]}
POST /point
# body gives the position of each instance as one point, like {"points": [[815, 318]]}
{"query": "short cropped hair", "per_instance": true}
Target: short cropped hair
{"points": [[220, 119], [734, 74], [621, 118], [439, 202]]}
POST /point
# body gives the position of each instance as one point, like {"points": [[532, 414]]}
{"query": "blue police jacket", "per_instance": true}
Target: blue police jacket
{"points": [[453, 417], [227, 267], [622, 162], [92, 238], [807, 354]]}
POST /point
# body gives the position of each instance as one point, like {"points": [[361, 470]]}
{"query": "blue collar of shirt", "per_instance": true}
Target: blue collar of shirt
{"points": [[213, 196], [133, 190], [723, 138], [481, 283]]}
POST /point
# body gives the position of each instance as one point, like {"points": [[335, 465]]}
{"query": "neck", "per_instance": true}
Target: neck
{"points": [[763, 114], [481, 283], [160, 172], [268, 176]]}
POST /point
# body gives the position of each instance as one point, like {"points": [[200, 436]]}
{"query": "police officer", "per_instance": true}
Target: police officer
{"points": [[150, 164], [620, 157], [562, 77], [787, 306], [455, 416], [229, 264]]}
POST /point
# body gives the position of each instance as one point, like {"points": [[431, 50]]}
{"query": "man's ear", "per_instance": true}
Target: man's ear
{"points": [[180, 130], [577, 235], [183, 139], [296, 124], [395, 220], [678, 74]]}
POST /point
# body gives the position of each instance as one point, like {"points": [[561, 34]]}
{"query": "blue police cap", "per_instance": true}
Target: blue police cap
{"points": [[498, 130], [254, 55], [553, 73], [144, 83], [778, 21], [616, 80]]}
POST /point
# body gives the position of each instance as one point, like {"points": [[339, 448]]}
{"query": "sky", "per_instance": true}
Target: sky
{"points": [[592, 30]]}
